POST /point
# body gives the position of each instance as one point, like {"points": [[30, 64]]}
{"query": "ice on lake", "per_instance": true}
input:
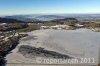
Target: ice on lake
{"points": [[80, 43]]}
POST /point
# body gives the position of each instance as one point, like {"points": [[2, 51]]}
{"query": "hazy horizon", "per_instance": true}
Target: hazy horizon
{"points": [[50, 14]]}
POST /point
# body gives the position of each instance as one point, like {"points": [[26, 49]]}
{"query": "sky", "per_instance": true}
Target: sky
{"points": [[14, 7]]}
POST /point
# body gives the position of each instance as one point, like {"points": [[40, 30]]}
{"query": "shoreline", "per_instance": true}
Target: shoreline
{"points": [[8, 46]]}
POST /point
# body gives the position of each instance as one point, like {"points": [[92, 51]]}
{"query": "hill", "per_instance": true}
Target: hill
{"points": [[8, 20], [49, 17]]}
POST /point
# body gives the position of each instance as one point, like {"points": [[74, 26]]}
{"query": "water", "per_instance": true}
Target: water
{"points": [[81, 43]]}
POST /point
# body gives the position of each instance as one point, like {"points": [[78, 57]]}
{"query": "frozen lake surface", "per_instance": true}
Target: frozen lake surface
{"points": [[80, 43]]}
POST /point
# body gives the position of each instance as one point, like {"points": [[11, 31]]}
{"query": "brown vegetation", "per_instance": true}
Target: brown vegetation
{"points": [[29, 28], [41, 52]]}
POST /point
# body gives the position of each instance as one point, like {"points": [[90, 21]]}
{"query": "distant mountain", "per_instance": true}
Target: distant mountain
{"points": [[49, 17], [84, 17], [8, 20], [22, 18], [68, 21], [37, 17], [28, 18]]}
